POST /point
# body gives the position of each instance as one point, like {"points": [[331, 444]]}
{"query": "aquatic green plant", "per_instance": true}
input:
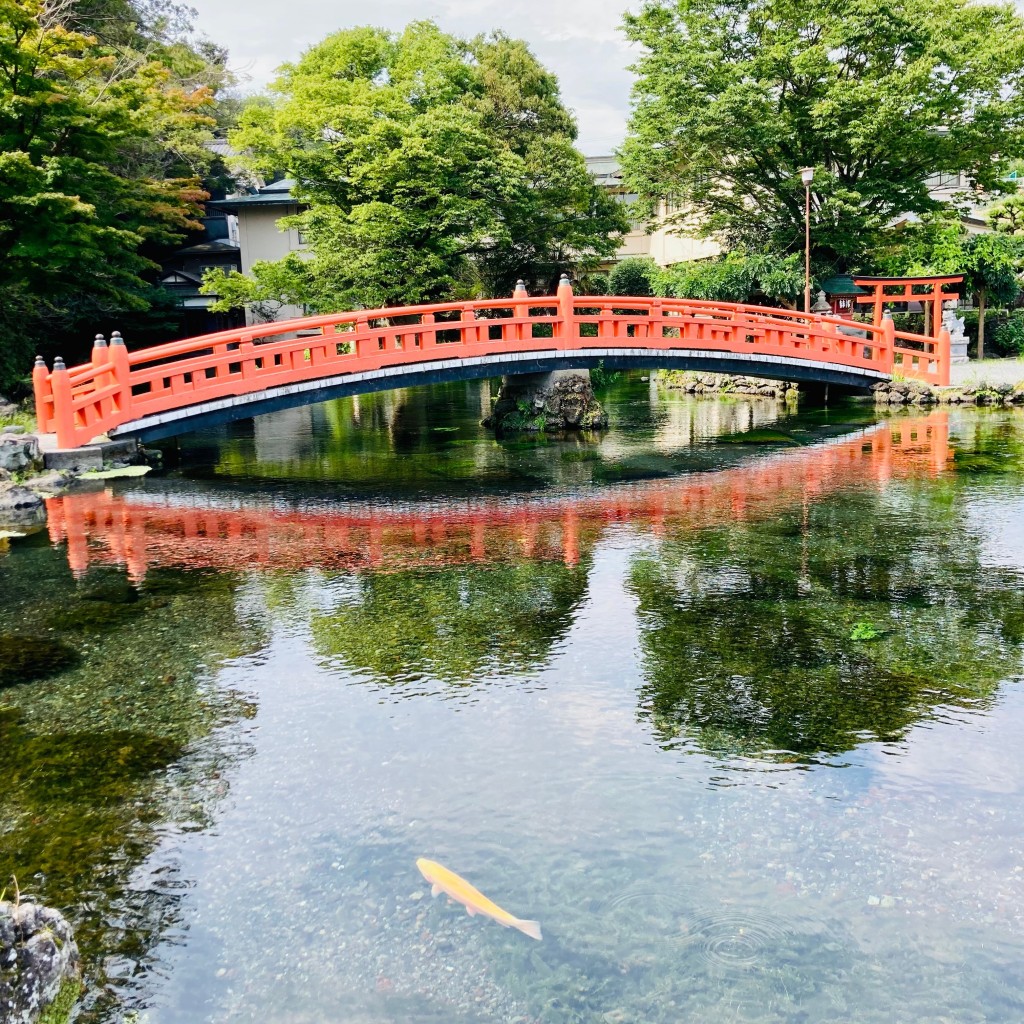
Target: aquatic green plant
{"points": [[864, 631], [84, 749], [59, 1011]]}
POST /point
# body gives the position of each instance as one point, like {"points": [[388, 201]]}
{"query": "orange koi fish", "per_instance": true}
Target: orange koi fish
{"points": [[444, 881]]}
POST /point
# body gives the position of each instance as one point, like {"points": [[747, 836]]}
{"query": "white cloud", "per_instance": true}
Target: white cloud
{"points": [[579, 40]]}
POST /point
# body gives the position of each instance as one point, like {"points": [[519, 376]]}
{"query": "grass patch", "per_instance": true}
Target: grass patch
{"points": [[18, 419]]}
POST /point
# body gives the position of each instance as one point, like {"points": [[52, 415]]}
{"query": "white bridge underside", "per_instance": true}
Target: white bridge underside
{"points": [[222, 410]]}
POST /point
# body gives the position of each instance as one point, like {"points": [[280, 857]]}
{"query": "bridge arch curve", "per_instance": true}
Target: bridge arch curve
{"points": [[175, 388]]}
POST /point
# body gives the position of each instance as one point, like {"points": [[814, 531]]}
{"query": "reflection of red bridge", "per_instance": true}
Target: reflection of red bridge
{"points": [[174, 388], [143, 529]]}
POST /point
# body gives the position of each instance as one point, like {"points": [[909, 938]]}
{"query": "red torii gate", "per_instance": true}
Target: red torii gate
{"points": [[901, 289]]}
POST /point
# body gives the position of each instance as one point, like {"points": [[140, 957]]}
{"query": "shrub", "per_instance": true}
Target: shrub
{"points": [[1007, 336], [635, 275]]}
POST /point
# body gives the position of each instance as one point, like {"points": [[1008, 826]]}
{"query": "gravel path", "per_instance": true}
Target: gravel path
{"points": [[988, 371]]}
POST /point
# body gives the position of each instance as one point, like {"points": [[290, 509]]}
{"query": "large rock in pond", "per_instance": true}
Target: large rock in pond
{"points": [[38, 958], [550, 402], [18, 452]]}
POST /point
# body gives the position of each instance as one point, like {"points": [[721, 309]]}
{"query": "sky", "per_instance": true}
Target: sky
{"points": [[579, 40]]}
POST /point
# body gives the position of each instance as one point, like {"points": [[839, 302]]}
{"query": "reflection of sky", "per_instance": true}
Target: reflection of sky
{"points": [[997, 515]]}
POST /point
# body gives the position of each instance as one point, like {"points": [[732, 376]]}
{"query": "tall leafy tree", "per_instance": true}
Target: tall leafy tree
{"points": [[431, 166], [734, 97], [991, 263], [100, 156]]}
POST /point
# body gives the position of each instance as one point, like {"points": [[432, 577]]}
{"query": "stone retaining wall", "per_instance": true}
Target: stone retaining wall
{"points": [[726, 384], [907, 392]]}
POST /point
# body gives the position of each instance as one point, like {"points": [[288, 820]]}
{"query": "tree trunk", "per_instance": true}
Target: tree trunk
{"points": [[981, 323], [926, 308]]}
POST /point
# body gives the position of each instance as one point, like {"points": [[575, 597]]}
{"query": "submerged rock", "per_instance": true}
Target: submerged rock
{"points": [[38, 958], [26, 658], [15, 498]]}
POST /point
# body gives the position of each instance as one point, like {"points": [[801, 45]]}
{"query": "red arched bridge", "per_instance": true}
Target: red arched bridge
{"points": [[174, 388]]}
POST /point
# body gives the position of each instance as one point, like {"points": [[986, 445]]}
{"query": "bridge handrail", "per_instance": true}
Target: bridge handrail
{"points": [[118, 386]]}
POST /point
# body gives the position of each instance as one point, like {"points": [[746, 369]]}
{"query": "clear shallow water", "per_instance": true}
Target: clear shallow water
{"points": [[729, 700]]}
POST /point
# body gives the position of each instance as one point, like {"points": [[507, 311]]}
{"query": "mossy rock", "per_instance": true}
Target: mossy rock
{"points": [[24, 659]]}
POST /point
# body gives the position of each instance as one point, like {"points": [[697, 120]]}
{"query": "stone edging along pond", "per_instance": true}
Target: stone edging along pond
{"points": [[912, 392], [897, 392]]}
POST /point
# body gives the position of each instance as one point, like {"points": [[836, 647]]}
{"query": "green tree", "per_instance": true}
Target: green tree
{"points": [[993, 266], [431, 167], [1007, 216], [990, 263], [100, 153], [734, 97]]}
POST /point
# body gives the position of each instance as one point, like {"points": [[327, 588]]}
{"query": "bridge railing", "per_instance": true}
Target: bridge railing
{"points": [[117, 386]]}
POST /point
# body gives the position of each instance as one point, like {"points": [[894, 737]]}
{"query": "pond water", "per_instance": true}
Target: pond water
{"points": [[727, 698]]}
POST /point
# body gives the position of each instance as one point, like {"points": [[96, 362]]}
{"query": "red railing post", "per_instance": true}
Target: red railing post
{"points": [[566, 312], [43, 395], [521, 310], [100, 358], [63, 411], [943, 358], [889, 341], [121, 371], [99, 354]]}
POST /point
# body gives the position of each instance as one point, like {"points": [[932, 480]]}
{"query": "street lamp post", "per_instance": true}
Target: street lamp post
{"points": [[807, 176]]}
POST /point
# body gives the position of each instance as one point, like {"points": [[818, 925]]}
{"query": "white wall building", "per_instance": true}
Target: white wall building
{"points": [[664, 245], [261, 236]]}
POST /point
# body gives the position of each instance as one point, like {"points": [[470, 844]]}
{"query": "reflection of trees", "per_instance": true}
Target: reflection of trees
{"points": [[85, 753], [452, 624], [750, 633]]}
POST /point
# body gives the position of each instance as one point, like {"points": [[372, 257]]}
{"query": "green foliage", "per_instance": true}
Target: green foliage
{"points": [[737, 276], [432, 167], [1007, 217], [635, 275], [733, 98], [1008, 335], [601, 377], [941, 245], [59, 1011], [264, 290], [991, 263], [865, 631], [101, 153]]}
